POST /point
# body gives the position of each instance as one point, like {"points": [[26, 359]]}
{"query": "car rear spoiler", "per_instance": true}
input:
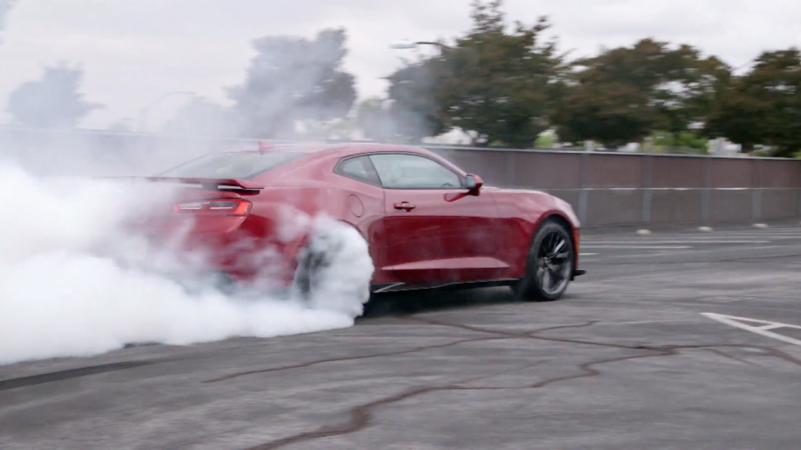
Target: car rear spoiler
{"points": [[215, 184], [230, 184]]}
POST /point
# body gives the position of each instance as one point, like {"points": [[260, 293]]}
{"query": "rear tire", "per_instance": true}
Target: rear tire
{"points": [[312, 260], [334, 270], [549, 266]]}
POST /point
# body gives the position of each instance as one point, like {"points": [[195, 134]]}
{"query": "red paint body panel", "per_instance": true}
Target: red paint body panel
{"points": [[439, 236], [450, 234]]}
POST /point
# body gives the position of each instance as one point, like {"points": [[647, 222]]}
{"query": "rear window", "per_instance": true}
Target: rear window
{"points": [[238, 165]]}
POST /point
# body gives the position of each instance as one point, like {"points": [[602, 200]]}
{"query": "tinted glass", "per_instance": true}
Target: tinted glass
{"points": [[361, 169], [239, 165], [413, 172]]}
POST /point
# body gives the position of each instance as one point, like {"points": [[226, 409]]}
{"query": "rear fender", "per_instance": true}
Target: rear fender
{"points": [[293, 248], [289, 214]]}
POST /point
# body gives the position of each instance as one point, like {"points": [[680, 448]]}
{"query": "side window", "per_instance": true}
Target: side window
{"points": [[359, 168], [402, 171]]}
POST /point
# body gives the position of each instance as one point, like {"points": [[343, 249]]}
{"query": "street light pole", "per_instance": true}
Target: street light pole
{"points": [[407, 45]]}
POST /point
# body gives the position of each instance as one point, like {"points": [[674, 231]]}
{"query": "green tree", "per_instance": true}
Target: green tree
{"points": [[764, 105], [622, 94], [612, 113], [416, 109], [54, 101], [688, 89], [545, 140], [293, 79], [682, 142], [495, 83]]}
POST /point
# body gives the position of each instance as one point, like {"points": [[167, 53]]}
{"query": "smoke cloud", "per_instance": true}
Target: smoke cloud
{"points": [[77, 280], [5, 7], [73, 282]]}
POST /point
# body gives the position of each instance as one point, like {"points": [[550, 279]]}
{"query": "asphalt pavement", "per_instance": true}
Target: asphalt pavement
{"points": [[673, 340]]}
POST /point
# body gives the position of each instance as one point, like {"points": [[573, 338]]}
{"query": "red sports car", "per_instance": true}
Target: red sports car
{"points": [[427, 223]]}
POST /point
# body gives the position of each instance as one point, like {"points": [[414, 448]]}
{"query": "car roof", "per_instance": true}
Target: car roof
{"points": [[330, 149]]}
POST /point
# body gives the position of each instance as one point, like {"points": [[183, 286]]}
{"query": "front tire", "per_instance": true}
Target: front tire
{"points": [[549, 266]]}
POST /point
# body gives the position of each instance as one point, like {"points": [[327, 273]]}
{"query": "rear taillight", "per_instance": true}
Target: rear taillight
{"points": [[222, 207]]}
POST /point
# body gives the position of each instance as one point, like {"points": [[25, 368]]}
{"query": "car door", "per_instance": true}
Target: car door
{"points": [[433, 230]]}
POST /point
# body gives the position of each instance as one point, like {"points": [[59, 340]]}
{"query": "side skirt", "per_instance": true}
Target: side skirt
{"points": [[450, 285]]}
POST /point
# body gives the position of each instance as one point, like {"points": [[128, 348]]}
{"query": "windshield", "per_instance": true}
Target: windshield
{"points": [[237, 165]]}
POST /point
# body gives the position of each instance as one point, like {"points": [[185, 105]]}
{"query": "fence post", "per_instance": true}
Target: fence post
{"points": [[583, 194], [756, 192], [647, 184], [798, 212], [706, 193], [797, 188]]}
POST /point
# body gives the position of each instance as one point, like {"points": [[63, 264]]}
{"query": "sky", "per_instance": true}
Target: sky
{"points": [[134, 52]]}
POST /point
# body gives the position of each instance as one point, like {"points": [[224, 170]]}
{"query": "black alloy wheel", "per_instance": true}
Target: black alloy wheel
{"points": [[550, 264]]}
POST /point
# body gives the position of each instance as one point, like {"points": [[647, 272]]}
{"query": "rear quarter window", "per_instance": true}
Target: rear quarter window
{"points": [[359, 168]]}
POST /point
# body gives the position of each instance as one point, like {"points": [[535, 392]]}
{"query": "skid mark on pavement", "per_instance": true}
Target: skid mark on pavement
{"points": [[761, 327], [732, 357], [360, 415], [32, 380], [396, 353], [351, 358]]}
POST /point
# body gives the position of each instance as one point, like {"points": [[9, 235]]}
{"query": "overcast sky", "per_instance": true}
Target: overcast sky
{"points": [[134, 51]]}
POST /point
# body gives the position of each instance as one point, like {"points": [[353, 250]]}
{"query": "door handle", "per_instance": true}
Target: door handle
{"points": [[405, 206]]}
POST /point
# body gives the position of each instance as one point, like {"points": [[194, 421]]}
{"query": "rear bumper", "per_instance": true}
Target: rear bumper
{"points": [[238, 258]]}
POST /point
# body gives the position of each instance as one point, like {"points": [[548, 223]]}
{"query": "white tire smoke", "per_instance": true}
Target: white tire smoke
{"points": [[336, 289], [65, 293]]}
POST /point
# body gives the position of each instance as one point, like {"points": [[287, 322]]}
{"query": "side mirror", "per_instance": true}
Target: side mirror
{"points": [[474, 182]]}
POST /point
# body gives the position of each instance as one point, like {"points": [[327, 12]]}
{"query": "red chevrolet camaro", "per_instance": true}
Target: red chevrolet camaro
{"points": [[426, 222]]}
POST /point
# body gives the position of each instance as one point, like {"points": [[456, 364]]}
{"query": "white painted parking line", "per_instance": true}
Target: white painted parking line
{"points": [[678, 242], [624, 246], [642, 322], [692, 252], [758, 238], [700, 236], [762, 232], [740, 322], [587, 254]]}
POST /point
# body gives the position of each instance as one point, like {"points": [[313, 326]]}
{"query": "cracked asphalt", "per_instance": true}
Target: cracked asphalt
{"points": [[624, 361]]}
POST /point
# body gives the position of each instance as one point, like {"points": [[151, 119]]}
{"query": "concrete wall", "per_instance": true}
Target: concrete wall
{"points": [[606, 189], [614, 189]]}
